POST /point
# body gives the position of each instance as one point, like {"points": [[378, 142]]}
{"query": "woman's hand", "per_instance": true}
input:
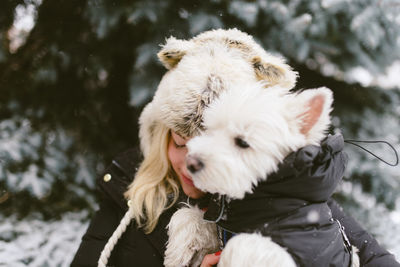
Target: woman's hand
{"points": [[211, 259]]}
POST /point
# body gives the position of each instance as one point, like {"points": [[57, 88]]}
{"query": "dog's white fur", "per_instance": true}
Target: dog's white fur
{"points": [[198, 70], [263, 251], [270, 120], [273, 123]]}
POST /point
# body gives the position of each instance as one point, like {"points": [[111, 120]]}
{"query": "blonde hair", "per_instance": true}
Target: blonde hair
{"points": [[154, 183]]}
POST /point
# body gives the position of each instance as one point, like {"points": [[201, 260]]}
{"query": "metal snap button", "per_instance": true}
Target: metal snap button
{"points": [[107, 177]]}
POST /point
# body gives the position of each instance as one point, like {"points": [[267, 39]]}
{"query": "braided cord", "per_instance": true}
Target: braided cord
{"points": [[105, 254]]}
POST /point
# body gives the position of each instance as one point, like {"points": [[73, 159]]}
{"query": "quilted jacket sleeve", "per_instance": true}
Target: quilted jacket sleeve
{"points": [[111, 185], [97, 235], [370, 252]]}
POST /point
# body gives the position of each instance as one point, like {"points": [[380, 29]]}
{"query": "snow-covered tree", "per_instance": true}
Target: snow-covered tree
{"points": [[75, 75]]}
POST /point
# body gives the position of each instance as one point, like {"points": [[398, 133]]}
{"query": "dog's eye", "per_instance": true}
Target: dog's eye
{"points": [[241, 143]]}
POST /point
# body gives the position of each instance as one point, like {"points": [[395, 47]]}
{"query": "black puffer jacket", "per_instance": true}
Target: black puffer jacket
{"points": [[138, 249], [291, 206]]}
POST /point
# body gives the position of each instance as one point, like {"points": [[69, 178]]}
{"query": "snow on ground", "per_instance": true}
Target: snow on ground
{"points": [[33, 242]]}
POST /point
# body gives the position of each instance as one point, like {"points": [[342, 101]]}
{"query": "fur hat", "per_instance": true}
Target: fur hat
{"points": [[198, 70]]}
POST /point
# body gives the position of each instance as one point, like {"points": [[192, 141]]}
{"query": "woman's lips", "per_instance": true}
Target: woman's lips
{"points": [[187, 180]]}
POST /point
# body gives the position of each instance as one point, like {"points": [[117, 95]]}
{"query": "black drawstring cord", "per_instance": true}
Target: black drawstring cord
{"points": [[358, 141]]}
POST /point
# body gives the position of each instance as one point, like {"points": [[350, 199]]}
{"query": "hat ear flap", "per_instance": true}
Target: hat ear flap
{"points": [[274, 73], [147, 123], [173, 51]]}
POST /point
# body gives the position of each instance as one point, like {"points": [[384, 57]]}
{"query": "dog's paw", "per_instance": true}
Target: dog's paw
{"points": [[254, 250], [189, 238]]}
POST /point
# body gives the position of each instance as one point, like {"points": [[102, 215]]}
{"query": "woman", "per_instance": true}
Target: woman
{"points": [[135, 248], [133, 232]]}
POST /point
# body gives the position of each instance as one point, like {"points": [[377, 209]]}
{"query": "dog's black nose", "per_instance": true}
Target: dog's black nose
{"points": [[193, 164]]}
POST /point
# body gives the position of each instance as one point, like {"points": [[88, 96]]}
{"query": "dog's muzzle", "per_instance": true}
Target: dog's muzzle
{"points": [[193, 164]]}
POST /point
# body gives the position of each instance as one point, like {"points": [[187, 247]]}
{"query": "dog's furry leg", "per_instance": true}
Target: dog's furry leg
{"points": [[190, 238], [254, 250]]}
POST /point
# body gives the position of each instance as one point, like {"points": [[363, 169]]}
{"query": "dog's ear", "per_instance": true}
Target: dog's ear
{"points": [[173, 51], [314, 119], [274, 72]]}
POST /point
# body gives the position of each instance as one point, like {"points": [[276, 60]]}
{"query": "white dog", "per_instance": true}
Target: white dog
{"points": [[249, 132]]}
